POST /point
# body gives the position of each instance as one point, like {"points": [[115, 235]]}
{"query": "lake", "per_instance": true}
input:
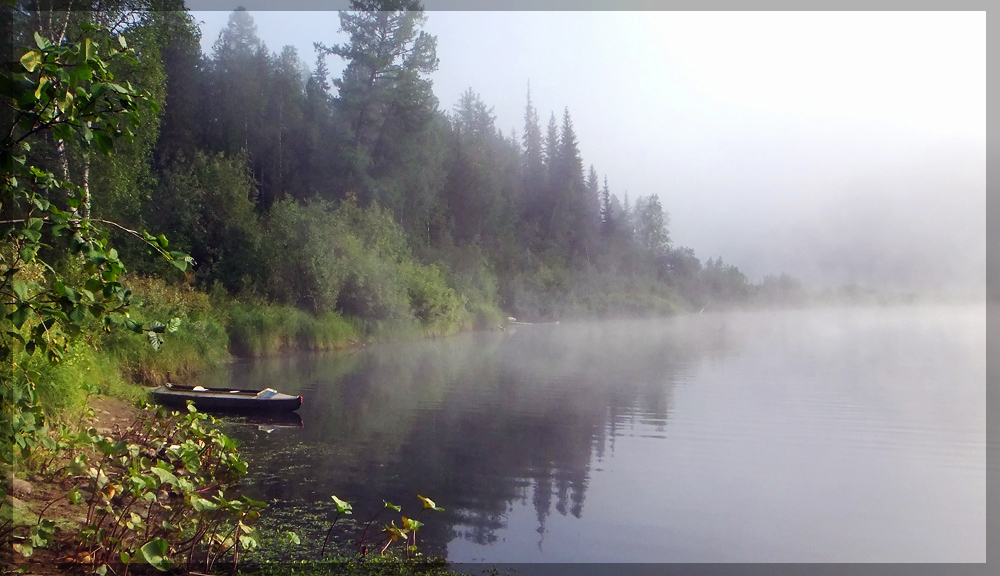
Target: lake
{"points": [[824, 435]]}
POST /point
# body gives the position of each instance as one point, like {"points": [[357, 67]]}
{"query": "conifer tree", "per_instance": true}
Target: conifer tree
{"points": [[388, 56], [532, 138], [608, 215]]}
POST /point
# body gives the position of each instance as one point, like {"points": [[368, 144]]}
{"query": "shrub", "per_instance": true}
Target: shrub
{"points": [[433, 302]]}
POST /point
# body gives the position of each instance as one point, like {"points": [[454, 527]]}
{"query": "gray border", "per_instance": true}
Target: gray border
{"points": [[581, 5]]}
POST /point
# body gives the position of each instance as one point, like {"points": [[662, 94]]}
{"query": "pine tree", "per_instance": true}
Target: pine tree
{"points": [[532, 137], [388, 57], [534, 181], [238, 77], [608, 215], [551, 149]]}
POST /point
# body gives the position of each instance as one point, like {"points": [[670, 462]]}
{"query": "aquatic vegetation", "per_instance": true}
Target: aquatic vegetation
{"points": [[405, 533]]}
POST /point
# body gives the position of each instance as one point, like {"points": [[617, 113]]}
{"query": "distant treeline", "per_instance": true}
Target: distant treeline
{"points": [[357, 195]]}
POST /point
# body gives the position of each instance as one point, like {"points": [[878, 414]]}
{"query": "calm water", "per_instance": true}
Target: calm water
{"points": [[806, 436]]}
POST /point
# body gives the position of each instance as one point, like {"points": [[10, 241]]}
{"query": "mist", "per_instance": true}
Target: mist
{"points": [[840, 149]]}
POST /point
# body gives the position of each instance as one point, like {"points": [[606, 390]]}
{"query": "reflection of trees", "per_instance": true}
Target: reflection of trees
{"points": [[477, 422]]}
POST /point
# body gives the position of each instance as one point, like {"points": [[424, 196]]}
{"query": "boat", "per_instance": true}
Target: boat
{"points": [[226, 399]]}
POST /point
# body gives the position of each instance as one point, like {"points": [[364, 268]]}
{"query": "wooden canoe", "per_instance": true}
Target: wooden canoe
{"points": [[224, 399]]}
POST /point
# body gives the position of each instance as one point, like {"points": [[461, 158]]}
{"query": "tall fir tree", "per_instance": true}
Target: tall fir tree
{"points": [[387, 106], [607, 211]]}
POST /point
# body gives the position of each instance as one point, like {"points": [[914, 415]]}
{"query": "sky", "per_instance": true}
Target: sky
{"points": [[839, 147]]}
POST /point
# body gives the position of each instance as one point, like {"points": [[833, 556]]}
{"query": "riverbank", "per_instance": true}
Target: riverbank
{"points": [[87, 403], [204, 331], [53, 516]]}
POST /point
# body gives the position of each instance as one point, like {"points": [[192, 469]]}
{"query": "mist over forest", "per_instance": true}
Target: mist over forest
{"points": [[754, 151], [873, 144], [359, 193]]}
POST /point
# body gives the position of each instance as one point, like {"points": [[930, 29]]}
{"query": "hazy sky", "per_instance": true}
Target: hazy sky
{"points": [[835, 146]]}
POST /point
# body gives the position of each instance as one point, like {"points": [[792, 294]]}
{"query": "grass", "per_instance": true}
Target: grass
{"points": [[261, 329]]}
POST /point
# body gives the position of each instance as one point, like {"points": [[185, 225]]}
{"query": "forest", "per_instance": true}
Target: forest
{"points": [[359, 196]]}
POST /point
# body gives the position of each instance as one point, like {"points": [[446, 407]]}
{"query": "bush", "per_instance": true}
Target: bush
{"points": [[162, 491], [305, 267], [433, 302], [340, 258]]}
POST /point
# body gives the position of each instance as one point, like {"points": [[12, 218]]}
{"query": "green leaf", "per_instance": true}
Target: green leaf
{"points": [[428, 503], [165, 476], [28, 253], [89, 50], [253, 503], [32, 59], [201, 505], [173, 325], [19, 315], [411, 524], [154, 553], [21, 289], [41, 533], [78, 314], [104, 142], [343, 507], [66, 102], [392, 506], [251, 539], [155, 340], [41, 42], [71, 295], [62, 132]]}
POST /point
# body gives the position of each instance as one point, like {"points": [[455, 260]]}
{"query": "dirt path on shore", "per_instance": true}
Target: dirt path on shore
{"points": [[46, 497]]}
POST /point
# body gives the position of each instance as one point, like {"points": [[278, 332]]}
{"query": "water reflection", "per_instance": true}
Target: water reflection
{"points": [[479, 421], [510, 431]]}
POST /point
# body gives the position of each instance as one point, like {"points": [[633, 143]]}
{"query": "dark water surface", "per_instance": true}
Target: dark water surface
{"points": [[803, 436]]}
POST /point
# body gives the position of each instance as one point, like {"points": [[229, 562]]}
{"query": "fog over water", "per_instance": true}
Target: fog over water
{"points": [[837, 147], [824, 435]]}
